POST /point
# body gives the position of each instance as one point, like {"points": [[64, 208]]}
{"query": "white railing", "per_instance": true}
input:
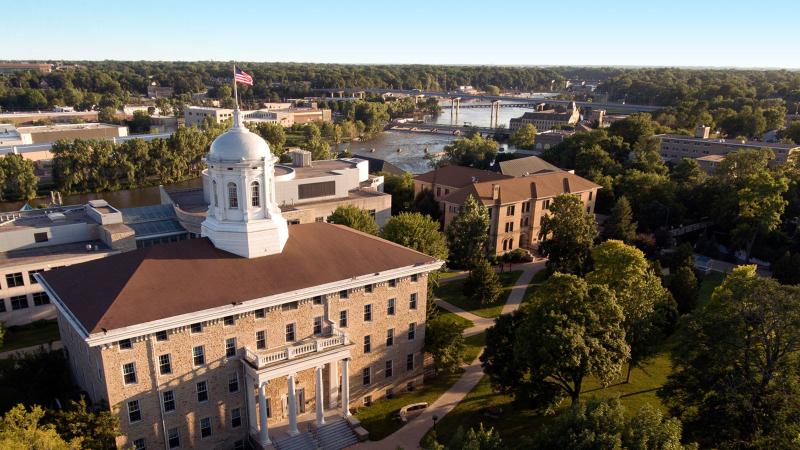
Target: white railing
{"points": [[306, 347]]}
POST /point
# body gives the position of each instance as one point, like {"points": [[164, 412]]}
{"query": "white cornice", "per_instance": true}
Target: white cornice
{"points": [[219, 312]]}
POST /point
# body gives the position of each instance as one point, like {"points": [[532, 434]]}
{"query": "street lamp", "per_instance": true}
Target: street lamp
{"points": [[435, 418]]}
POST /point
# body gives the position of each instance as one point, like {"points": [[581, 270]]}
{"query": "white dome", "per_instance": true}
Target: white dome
{"points": [[238, 144]]}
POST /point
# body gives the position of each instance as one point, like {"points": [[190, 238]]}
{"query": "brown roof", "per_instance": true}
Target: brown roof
{"points": [[526, 166], [458, 176], [168, 280], [542, 185]]}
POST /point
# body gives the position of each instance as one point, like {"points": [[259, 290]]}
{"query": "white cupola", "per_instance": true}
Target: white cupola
{"points": [[243, 217]]}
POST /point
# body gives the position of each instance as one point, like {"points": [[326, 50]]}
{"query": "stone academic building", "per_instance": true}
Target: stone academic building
{"points": [[234, 337]]}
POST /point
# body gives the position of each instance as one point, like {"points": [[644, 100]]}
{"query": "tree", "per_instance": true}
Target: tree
{"points": [[524, 136], [734, 381], [401, 188], [418, 232], [20, 181], [425, 203], [468, 233], [354, 217], [445, 343], [483, 284], [638, 291], [140, 123], [475, 151], [683, 286], [273, 133], [786, 269], [570, 331], [492, 89], [620, 224], [633, 128], [96, 430], [482, 439], [107, 115], [792, 131], [604, 425], [567, 234], [21, 429]]}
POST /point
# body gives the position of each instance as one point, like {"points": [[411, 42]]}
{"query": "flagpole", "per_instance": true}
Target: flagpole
{"points": [[235, 92]]}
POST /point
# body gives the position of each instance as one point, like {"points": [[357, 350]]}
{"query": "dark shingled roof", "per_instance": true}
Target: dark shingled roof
{"points": [[168, 280], [540, 185], [459, 176]]}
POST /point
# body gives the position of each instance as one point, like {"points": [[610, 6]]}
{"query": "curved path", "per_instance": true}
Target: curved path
{"points": [[409, 436]]}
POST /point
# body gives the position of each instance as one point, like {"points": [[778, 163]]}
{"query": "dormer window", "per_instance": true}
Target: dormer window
{"points": [[233, 197], [255, 197]]}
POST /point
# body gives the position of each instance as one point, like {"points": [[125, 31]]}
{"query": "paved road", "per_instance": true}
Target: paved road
{"points": [[409, 436]]}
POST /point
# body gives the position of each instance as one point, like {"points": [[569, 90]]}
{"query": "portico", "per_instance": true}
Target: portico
{"points": [[324, 356]]}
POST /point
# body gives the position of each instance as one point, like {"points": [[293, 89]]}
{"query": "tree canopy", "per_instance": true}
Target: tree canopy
{"points": [[468, 233], [567, 234], [354, 217]]}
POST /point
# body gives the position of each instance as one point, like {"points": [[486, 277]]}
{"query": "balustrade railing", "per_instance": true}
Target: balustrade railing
{"points": [[299, 349]]}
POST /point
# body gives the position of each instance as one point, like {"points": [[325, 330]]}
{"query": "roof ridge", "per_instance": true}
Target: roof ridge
{"points": [[378, 238]]}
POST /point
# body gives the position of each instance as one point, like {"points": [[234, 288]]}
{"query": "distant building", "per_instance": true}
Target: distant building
{"points": [[709, 163], [42, 239], [194, 115], [675, 147], [517, 205], [7, 68], [10, 135], [306, 191], [50, 133], [448, 179], [550, 138], [57, 117], [529, 165], [547, 119], [155, 91]]}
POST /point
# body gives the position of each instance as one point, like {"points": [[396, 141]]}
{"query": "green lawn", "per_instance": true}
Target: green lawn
{"points": [[381, 420], [454, 318], [447, 274], [474, 346], [707, 284], [537, 280], [41, 332], [496, 410], [452, 293]]}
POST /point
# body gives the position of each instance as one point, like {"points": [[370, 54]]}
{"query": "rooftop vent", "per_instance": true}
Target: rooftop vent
{"points": [[56, 216]]}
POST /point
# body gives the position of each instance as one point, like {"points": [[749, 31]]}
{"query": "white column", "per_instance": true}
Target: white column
{"points": [[291, 400], [263, 435], [319, 398], [333, 381], [251, 404], [345, 387]]}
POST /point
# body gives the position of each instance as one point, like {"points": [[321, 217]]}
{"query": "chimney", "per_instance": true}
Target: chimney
{"points": [[495, 192], [300, 158], [566, 185], [533, 190]]}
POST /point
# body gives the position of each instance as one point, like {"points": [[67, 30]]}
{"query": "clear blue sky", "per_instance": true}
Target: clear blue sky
{"points": [[740, 33]]}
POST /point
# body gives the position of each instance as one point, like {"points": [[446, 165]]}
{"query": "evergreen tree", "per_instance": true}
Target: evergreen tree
{"points": [[683, 285], [483, 284], [468, 233], [620, 224]]}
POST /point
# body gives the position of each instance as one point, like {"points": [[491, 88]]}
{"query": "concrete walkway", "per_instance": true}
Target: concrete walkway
{"points": [[409, 436]]}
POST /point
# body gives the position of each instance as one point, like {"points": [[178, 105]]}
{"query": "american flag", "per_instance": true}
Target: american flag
{"points": [[242, 77]]}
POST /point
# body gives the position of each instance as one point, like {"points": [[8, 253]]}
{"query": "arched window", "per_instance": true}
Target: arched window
{"points": [[216, 194], [233, 198], [255, 196]]}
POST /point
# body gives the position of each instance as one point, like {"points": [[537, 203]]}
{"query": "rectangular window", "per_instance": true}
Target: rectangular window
{"points": [[509, 227], [199, 355], [134, 413], [196, 328], [318, 300], [320, 189], [289, 306], [228, 320], [414, 278], [367, 400], [546, 204], [261, 340], [365, 376], [369, 288], [412, 331], [164, 364], [230, 347], [390, 337], [590, 195], [317, 325], [129, 373], [19, 302], [32, 279], [168, 400], [367, 313], [319, 219], [260, 313], [412, 301], [125, 344], [236, 418], [290, 332], [390, 307], [343, 294], [389, 369], [392, 283], [2, 305], [202, 391], [410, 361], [367, 344], [205, 427], [161, 336], [233, 383], [173, 438], [138, 444], [510, 210], [343, 319], [14, 279]]}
